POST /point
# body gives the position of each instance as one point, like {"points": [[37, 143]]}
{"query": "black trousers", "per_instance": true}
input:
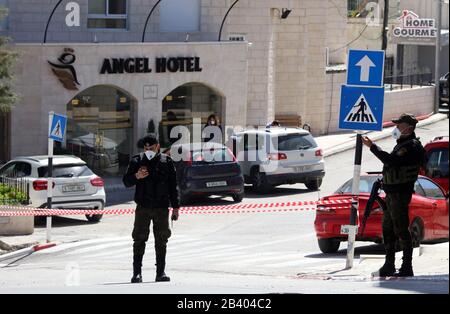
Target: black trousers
{"points": [[396, 221], [141, 232]]}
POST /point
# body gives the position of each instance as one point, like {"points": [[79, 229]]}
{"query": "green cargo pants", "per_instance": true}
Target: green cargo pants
{"points": [[396, 221], [141, 232]]}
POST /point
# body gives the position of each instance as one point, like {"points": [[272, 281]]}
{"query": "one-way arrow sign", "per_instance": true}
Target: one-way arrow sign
{"points": [[365, 68]]}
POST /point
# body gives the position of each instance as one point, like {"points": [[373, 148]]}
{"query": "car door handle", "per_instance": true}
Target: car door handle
{"points": [[435, 205]]}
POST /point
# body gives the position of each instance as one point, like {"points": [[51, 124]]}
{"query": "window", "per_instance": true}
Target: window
{"points": [[293, 142], [107, 14], [16, 170], [437, 166], [66, 171], [3, 16], [180, 16], [431, 189]]}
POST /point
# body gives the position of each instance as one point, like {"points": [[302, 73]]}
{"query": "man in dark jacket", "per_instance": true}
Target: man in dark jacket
{"points": [[154, 176], [400, 172]]}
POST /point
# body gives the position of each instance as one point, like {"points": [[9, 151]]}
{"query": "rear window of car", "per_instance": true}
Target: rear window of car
{"points": [[365, 185], [212, 156], [292, 142], [66, 171], [437, 165]]}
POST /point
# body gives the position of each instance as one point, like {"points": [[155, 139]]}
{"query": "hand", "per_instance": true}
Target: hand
{"points": [[175, 214], [142, 173], [367, 141]]}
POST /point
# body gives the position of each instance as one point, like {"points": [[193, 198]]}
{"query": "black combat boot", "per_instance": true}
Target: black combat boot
{"points": [[406, 270], [388, 269], [137, 270], [160, 274]]}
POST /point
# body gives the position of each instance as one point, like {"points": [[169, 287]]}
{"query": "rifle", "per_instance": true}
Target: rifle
{"points": [[373, 195]]}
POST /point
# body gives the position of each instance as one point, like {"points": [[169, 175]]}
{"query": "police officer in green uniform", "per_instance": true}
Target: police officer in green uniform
{"points": [[400, 172], [154, 176]]}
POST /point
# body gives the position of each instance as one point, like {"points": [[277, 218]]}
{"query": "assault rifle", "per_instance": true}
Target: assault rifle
{"points": [[369, 206]]}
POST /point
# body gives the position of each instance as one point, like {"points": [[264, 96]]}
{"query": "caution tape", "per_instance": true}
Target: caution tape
{"points": [[16, 211]]}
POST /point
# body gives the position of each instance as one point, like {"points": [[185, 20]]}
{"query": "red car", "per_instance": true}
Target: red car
{"points": [[428, 214], [437, 166]]}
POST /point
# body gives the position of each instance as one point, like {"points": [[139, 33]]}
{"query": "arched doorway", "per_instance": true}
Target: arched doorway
{"points": [[186, 103], [100, 129]]}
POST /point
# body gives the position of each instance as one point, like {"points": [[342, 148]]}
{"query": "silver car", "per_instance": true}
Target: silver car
{"points": [[276, 156]]}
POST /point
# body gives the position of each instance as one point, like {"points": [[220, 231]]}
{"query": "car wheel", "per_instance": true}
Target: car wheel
{"points": [[329, 245], [238, 197], [416, 230], [259, 181], [94, 218], [314, 185]]}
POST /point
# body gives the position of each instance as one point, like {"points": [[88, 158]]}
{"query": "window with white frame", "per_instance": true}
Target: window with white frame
{"points": [[180, 16], [107, 14]]}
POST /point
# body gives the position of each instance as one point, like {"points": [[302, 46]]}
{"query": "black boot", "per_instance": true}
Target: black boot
{"points": [[160, 274], [406, 270], [388, 269], [137, 270]]}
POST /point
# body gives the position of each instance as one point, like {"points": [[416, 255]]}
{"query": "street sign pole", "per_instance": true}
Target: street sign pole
{"points": [[50, 178], [353, 230], [437, 74]]}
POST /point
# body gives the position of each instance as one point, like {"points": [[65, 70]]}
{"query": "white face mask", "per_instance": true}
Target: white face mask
{"points": [[396, 133], [150, 154]]}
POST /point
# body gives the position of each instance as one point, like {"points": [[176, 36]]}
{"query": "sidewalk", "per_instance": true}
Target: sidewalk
{"points": [[338, 143]]}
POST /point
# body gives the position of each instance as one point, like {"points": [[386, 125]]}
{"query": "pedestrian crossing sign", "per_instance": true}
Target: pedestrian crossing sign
{"points": [[361, 108], [58, 128]]}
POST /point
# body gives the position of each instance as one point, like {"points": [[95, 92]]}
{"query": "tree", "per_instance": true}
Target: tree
{"points": [[7, 60]]}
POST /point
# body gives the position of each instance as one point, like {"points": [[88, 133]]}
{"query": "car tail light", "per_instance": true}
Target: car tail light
{"points": [[275, 157], [188, 161], [41, 185], [97, 182], [319, 153]]}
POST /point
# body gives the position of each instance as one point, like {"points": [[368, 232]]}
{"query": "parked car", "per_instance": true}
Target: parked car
{"points": [[438, 162], [277, 156], [205, 170], [75, 186], [428, 214]]}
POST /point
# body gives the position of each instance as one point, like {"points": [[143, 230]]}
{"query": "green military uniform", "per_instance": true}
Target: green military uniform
{"points": [[400, 172]]}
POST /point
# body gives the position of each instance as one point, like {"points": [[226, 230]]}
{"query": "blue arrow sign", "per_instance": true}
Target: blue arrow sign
{"points": [[361, 108], [366, 68], [57, 130]]}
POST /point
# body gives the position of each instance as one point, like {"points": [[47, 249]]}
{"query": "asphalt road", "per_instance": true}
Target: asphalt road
{"points": [[223, 253]]}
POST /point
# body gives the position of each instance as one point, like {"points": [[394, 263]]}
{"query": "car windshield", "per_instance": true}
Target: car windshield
{"points": [[365, 185], [66, 171], [212, 156], [292, 142]]}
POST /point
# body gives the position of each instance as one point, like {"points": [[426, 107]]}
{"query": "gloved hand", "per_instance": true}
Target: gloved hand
{"points": [[175, 214]]}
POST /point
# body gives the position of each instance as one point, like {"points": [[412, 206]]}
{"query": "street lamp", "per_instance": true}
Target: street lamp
{"points": [[224, 19], [148, 19]]}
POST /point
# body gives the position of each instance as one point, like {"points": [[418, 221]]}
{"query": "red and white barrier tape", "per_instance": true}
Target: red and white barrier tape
{"points": [[10, 211]]}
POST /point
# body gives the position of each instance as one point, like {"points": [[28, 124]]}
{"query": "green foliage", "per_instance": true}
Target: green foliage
{"points": [[10, 196], [7, 60]]}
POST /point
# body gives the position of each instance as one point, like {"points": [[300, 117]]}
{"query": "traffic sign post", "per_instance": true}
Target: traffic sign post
{"points": [[56, 132], [362, 107]]}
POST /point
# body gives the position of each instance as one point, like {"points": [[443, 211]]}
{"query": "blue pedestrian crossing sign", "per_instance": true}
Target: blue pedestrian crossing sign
{"points": [[58, 128], [361, 108], [366, 68]]}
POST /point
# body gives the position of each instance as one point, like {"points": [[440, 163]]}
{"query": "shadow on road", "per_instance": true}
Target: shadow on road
{"points": [[374, 249], [62, 222], [276, 192]]}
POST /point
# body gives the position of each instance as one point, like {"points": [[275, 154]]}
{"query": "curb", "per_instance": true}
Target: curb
{"points": [[424, 120], [26, 251]]}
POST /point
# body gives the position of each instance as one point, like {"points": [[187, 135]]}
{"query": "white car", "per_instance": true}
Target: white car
{"points": [[275, 156], [75, 185]]}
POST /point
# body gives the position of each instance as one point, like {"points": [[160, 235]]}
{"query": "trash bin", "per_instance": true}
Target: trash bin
{"points": [[15, 226]]}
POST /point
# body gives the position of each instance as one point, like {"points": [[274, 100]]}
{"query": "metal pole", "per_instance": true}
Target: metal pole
{"points": [[385, 25], [354, 209], [224, 19], [437, 74], [49, 19], [148, 19], [50, 177]]}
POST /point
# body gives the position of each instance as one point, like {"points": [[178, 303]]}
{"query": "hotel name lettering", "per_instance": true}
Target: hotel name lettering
{"points": [[142, 65]]}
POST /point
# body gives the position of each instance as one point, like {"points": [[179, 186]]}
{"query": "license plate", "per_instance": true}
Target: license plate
{"points": [[216, 184], [73, 188], [303, 168]]}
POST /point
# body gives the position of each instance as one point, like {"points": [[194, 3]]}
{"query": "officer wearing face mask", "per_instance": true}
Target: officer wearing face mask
{"points": [[400, 172], [153, 174]]}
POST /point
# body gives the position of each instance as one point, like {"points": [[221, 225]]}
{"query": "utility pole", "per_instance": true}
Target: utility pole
{"points": [[385, 25], [437, 74]]}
